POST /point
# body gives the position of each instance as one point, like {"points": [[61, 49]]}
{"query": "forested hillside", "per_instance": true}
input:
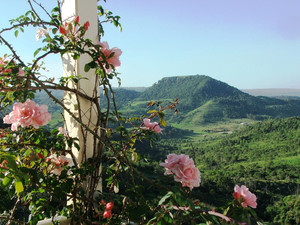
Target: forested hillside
{"points": [[264, 156]]}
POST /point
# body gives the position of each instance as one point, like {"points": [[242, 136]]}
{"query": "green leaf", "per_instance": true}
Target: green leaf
{"points": [[152, 103], [134, 157], [120, 128], [16, 33], [181, 201], [153, 219], [56, 9], [101, 10], [11, 162], [19, 187], [253, 213], [161, 114], [191, 203], [76, 145], [6, 181], [92, 64], [152, 111], [163, 199], [54, 30], [132, 142], [162, 122], [87, 68], [167, 219]]}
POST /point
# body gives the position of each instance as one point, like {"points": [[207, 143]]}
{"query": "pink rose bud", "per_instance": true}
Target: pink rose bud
{"points": [[76, 20], [86, 25], [62, 30]]}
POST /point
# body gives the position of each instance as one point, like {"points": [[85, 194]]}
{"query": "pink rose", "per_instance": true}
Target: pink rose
{"points": [[184, 170], [170, 162], [41, 116], [111, 56], [248, 198], [151, 126], [26, 114], [21, 115], [59, 163]]}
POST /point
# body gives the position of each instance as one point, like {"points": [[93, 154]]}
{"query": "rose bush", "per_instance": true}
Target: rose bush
{"points": [[50, 173]]}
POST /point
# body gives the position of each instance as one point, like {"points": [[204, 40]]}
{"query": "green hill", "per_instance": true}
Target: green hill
{"points": [[205, 100]]}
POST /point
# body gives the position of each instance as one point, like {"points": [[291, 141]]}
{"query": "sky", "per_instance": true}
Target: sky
{"points": [[247, 44]]}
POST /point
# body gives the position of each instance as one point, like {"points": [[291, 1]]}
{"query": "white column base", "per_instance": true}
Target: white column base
{"points": [[61, 219]]}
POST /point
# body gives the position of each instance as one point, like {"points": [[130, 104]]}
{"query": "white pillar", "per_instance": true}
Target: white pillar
{"points": [[87, 11]]}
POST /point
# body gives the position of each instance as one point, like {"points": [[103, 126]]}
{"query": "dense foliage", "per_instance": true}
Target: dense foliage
{"points": [[265, 156]]}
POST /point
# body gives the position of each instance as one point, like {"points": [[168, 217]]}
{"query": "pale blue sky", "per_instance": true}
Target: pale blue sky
{"points": [[245, 43]]}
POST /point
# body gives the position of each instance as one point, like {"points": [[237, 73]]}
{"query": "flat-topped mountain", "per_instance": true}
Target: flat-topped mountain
{"points": [[204, 99]]}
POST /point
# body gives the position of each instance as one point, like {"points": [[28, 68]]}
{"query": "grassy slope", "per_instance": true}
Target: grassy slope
{"points": [[265, 156]]}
